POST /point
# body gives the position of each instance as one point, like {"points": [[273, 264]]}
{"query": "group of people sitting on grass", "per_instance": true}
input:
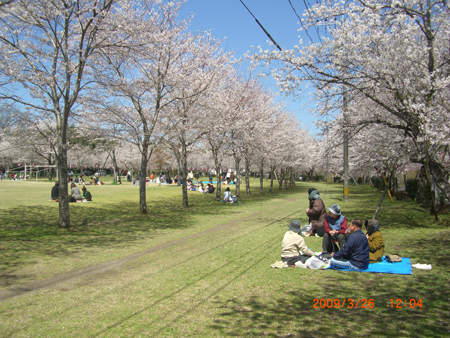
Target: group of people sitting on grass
{"points": [[75, 194], [356, 249]]}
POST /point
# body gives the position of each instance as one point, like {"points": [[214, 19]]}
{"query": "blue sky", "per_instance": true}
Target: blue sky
{"points": [[230, 19]]}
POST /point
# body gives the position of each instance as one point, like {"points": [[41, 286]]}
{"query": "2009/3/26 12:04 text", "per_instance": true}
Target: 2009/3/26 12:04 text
{"points": [[364, 303]]}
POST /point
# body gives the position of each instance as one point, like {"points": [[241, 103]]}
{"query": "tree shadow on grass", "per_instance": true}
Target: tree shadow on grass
{"points": [[31, 233], [318, 310]]}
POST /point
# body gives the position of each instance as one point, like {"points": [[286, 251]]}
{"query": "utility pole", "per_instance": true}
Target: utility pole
{"points": [[346, 176]]}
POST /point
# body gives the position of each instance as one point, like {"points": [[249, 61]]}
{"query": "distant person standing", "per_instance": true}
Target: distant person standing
{"points": [[210, 176], [316, 212], [128, 176]]}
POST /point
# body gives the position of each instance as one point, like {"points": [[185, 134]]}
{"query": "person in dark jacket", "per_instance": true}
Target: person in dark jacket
{"points": [[355, 253], [316, 212], [55, 192]]}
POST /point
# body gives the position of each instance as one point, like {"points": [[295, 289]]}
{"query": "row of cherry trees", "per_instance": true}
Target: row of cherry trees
{"points": [[90, 75]]}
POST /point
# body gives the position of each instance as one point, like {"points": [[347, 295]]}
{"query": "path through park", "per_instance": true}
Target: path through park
{"points": [[106, 266]]}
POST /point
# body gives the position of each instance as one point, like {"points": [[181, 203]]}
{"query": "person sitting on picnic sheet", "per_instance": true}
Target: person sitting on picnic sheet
{"points": [[86, 194], [75, 194], [316, 212], [55, 192], [293, 247], [336, 228], [211, 189], [376, 243], [227, 197], [355, 253]]}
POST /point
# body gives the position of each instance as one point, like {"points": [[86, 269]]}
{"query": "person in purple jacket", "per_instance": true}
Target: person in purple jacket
{"points": [[355, 253]]}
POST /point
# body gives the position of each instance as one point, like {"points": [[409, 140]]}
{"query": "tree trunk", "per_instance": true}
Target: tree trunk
{"points": [[429, 181], [64, 214], [280, 179], [184, 170], [247, 176], [382, 197], [116, 167], [272, 173], [218, 165], [237, 161], [261, 176], [143, 174]]}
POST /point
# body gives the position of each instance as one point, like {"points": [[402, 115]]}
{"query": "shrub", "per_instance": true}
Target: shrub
{"points": [[378, 183], [400, 195], [412, 188]]}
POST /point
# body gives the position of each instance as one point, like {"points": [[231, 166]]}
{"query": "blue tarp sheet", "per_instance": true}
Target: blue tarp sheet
{"points": [[399, 268]]}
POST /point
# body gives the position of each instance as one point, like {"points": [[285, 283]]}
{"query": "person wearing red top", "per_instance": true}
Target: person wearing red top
{"points": [[336, 228]]}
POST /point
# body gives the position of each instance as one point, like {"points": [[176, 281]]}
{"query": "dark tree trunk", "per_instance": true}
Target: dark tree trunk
{"points": [[237, 161], [116, 167], [184, 172], [64, 214], [261, 176], [247, 176], [218, 165], [142, 184], [272, 173]]}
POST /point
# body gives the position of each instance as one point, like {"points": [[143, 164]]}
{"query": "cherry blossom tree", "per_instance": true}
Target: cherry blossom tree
{"points": [[392, 55], [189, 119], [47, 49], [137, 84]]}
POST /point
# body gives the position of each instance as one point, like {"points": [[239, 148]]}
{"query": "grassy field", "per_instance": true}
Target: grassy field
{"points": [[205, 271]]}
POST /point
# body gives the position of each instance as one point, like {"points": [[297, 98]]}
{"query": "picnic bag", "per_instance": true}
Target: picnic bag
{"points": [[393, 258], [317, 264]]}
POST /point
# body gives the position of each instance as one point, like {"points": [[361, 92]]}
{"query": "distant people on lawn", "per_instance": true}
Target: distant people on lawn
{"points": [[86, 194], [316, 213], [227, 197], [210, 189], [75, 194], [376, 243], [210, 176], [336, 228], [293, 246], [197, 177], [152, 177], [55, 192], [202, 188], [355, 253]]}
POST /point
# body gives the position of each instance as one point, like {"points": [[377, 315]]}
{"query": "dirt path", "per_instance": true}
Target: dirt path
{"points": [[102, 267]]}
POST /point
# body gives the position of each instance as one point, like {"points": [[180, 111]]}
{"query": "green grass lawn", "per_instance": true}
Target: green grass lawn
{"points": [[204, 271]]}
